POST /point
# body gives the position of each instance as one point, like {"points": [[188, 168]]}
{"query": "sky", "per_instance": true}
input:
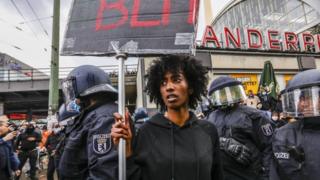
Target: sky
{"points": [[26, 26]]}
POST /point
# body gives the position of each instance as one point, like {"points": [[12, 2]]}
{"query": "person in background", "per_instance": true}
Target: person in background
{"points": [[23, 127], [173, 144], [36, 127], [51, 145], [287, 118], [44, 134], [27, 143], [140, 116], [277, 120], [265, 99], [252, 100], [205, 107], [8, 160]]}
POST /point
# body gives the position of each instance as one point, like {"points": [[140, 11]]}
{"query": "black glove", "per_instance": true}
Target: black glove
{"points": [[236, 150]]}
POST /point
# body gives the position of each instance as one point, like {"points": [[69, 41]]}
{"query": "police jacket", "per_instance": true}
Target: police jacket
{"points": [[88, 151], [8, 160], [296, 148], [165, 151], [62, 141], [252, 129], [28, 141]]}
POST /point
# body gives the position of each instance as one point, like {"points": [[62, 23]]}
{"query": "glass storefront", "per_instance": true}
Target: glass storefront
{"points": [[283, 15]]}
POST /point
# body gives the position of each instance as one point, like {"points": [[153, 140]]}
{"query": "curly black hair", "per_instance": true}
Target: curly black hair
{"points": [[195, 73]]}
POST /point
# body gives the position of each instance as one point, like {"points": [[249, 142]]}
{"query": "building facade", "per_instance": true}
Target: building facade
{"points": [[247, 33]]}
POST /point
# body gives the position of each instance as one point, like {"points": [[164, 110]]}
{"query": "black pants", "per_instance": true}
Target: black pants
{"points": [[4, 175], [56, 164], [23, 157], [51, 168]]}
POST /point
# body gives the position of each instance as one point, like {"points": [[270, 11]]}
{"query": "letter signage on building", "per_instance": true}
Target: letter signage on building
{"points": [[270, 40], [138, 27]]}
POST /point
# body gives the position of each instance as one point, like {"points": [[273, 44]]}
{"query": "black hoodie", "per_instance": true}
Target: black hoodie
{"points": [[165, 151]]}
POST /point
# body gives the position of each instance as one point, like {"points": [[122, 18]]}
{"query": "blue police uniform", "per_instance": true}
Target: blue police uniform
{"points": [[247, 126], [296, 145], [89, 152], [295, 148], [245, 134]]}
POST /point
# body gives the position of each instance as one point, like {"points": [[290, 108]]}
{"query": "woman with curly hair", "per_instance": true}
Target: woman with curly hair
{"points": [[173, 144]]}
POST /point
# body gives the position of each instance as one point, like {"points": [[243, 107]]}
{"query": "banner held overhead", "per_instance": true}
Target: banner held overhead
{"points": [[138, 27], [130, 28]]}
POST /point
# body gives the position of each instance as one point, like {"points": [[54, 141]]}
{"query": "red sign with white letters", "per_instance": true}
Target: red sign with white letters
{"points": [[256, 39]]}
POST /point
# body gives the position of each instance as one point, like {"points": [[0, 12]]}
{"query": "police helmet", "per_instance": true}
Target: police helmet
{"points": [[226, 91], [300, 98], [140, 113], [86, 80], [65, 115]]}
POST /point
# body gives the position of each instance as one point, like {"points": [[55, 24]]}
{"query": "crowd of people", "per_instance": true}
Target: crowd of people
{"points": [[234, 137], [25, 142]]}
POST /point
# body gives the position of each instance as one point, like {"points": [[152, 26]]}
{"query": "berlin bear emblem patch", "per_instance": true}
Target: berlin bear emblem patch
{"points": [[267, 129], [101, 143]]}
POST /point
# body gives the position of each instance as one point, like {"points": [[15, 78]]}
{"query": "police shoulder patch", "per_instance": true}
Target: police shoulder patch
{"points": [[267, 129], [101, 143]]}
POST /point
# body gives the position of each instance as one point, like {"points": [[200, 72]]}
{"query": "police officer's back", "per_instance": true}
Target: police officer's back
{"points": [[245, 135], [296, 145], [88, 153]]}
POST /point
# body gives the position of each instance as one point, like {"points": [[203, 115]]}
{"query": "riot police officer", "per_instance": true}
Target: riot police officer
{"points": [[140, 116], [65, 118], [205, 107], [245, 135], [296, 145], [88, 152]]}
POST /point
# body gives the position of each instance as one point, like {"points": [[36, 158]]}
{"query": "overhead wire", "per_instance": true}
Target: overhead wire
{"points": [[10, 45], [5, 42], [37, 17], [25, 21], [22, 16], [33, 20], [5, 21]]}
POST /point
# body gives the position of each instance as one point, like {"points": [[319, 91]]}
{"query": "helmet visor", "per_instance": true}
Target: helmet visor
{"points": [[69, 89], [228, 95], [302, 102]]}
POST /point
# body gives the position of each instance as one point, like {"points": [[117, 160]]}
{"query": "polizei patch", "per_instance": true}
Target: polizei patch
{"points": [[101, 143], [282, 155]]}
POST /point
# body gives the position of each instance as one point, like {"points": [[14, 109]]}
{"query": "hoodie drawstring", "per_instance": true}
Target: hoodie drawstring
{"points": [[172, 152], [196, 154]]}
